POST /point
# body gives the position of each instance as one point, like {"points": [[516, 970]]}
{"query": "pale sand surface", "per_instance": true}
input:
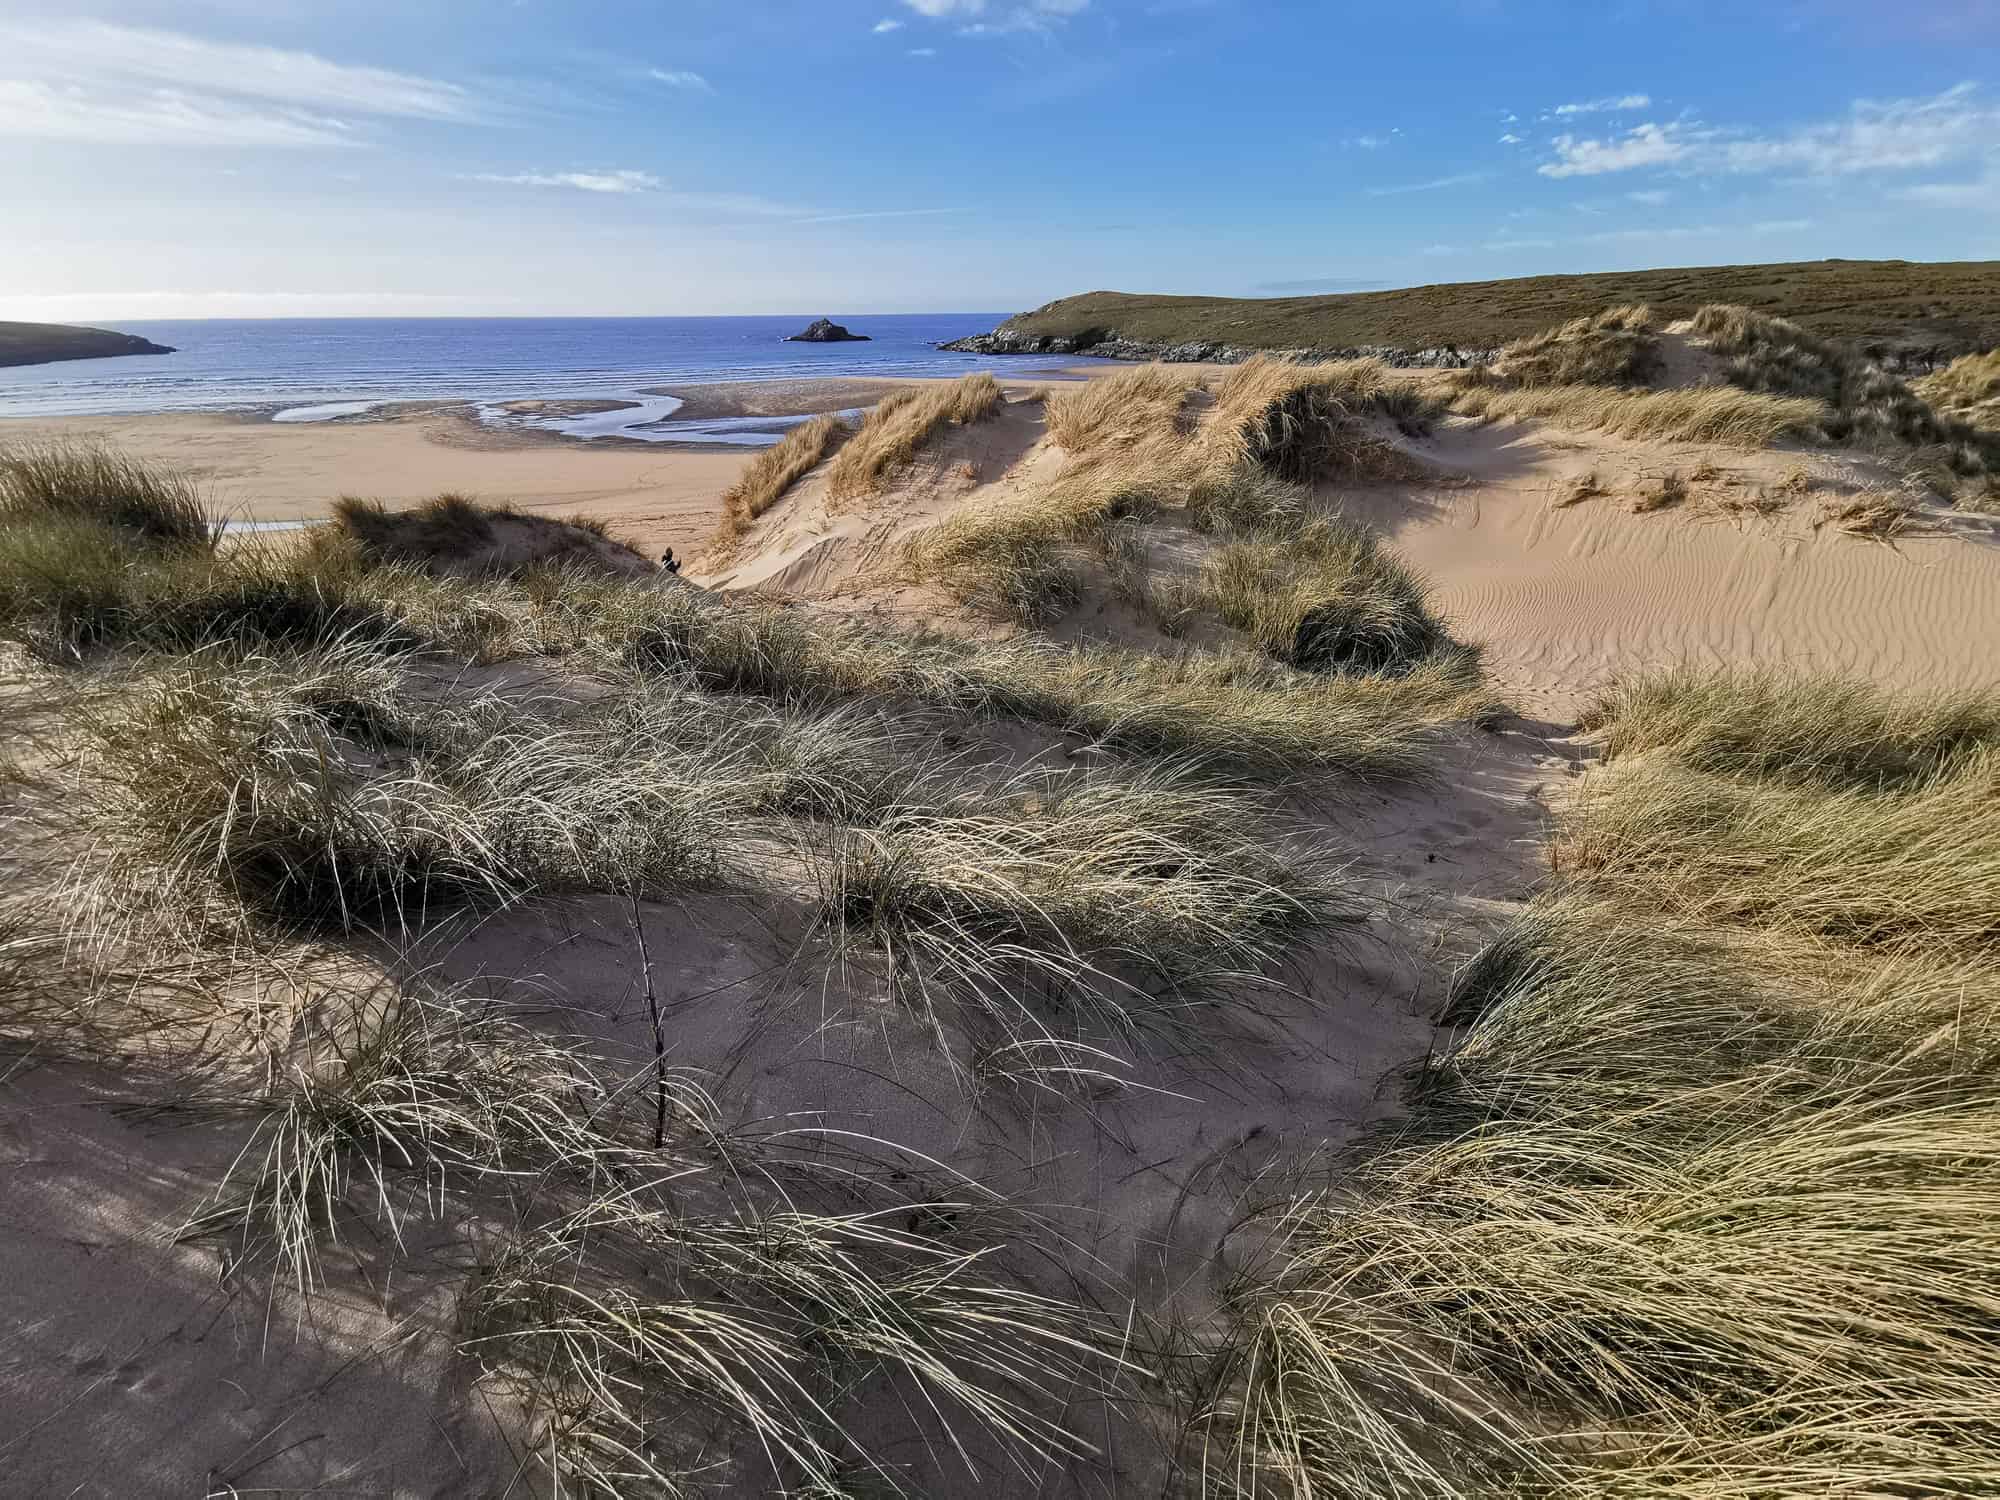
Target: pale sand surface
{"points": [[136, 1366]]}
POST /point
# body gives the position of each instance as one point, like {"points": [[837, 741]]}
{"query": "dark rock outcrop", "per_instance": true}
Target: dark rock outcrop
{"points": [[46, 343], [826, 331], [1105, 344]]}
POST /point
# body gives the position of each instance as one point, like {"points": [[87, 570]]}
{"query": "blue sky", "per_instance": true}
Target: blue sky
{"points": [[175, 158]]}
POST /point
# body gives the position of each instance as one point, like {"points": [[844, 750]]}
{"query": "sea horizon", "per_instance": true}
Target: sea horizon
{"points": [[288, 364]]}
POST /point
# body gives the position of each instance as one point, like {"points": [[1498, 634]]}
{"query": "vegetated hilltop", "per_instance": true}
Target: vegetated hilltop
{"points": [[1932, 312], [45, 343]]}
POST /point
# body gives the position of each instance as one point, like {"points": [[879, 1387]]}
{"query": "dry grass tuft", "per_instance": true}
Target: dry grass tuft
{"points": [[1717, 414], [452, 534], [1133, 406], [903, 422], [1812, 728], [1324, 596], [770, 474], [1661, 492], [1305, 422], [91, 486], [1968, 388], [1616, 347], [1879, 514], [1866, 403], [1703, 1202], [1577, 489]]}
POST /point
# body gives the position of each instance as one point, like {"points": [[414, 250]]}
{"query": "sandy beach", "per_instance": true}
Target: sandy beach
{"points": [[658, 495]]}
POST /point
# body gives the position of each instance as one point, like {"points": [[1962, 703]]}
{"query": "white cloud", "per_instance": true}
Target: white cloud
{"points": [[1604, 106], [94, 51], [1897, 135], [1510, 139], [886, 25], [939, 8], [1439, 250], [1983, 193], [158, 117], [1369, 141], [589, 182], [1891, 135], [93, 81], [1461, 179], [681, 78], [1652, 197], [1642, 146]]}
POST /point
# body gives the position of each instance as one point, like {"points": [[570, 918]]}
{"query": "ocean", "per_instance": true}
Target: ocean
{"points": [[320, 369]]}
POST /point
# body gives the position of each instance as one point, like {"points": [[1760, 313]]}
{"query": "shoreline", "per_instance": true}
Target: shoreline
{"points": [[654, 494]]}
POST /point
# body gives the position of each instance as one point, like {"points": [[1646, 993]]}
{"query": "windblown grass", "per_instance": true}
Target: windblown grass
{"points": [[1714, 414], [1103, 893], [1616, 347], [1304, 422], [1703, 1202], [1325, 596], [90, 486], [768, 476], [1968, 388], [454, 535], [1810, 728], [1139, 405], [1866, 403], [298, 794], [903, 422]]}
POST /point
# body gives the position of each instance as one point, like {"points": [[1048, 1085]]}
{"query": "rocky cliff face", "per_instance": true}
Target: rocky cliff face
{"points": [[825, 331], [1106, 344], [46, 343]]}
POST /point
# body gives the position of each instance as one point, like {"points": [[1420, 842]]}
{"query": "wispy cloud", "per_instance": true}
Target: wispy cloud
{"points": [[1895, 135], [982, 20], [623, 181], [681, 78], [1460, 179], [1642, 146], [94, 81], [1510, 139], [1652, 197], [887, 24], [1604, 106], [1370, 140]]}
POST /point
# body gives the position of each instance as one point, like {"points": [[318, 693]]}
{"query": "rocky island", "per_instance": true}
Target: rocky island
{"points": [[826, 331], [45, 343]]}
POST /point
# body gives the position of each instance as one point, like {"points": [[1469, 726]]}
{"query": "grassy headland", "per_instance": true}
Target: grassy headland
{"points": [[1953, 307], [45, 343]]}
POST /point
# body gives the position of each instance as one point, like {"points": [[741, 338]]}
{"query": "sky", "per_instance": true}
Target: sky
{"points": [[289, 158]]}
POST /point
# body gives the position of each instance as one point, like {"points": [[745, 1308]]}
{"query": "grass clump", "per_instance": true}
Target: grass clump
{"points": [[1303, 422], [1703, 1202], [452, 534], [1866, 403], [1072, 912], [1132, 406], [1325, 596], [1713, 414], [1968, 388], [1814, 729], [1615, 347], [78, 487], [901, 423], [303, 792], [767, 477]]}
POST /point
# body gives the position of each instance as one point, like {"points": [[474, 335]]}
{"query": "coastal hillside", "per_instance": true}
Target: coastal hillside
{"points": [[1932, 313], [46, 343]]}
